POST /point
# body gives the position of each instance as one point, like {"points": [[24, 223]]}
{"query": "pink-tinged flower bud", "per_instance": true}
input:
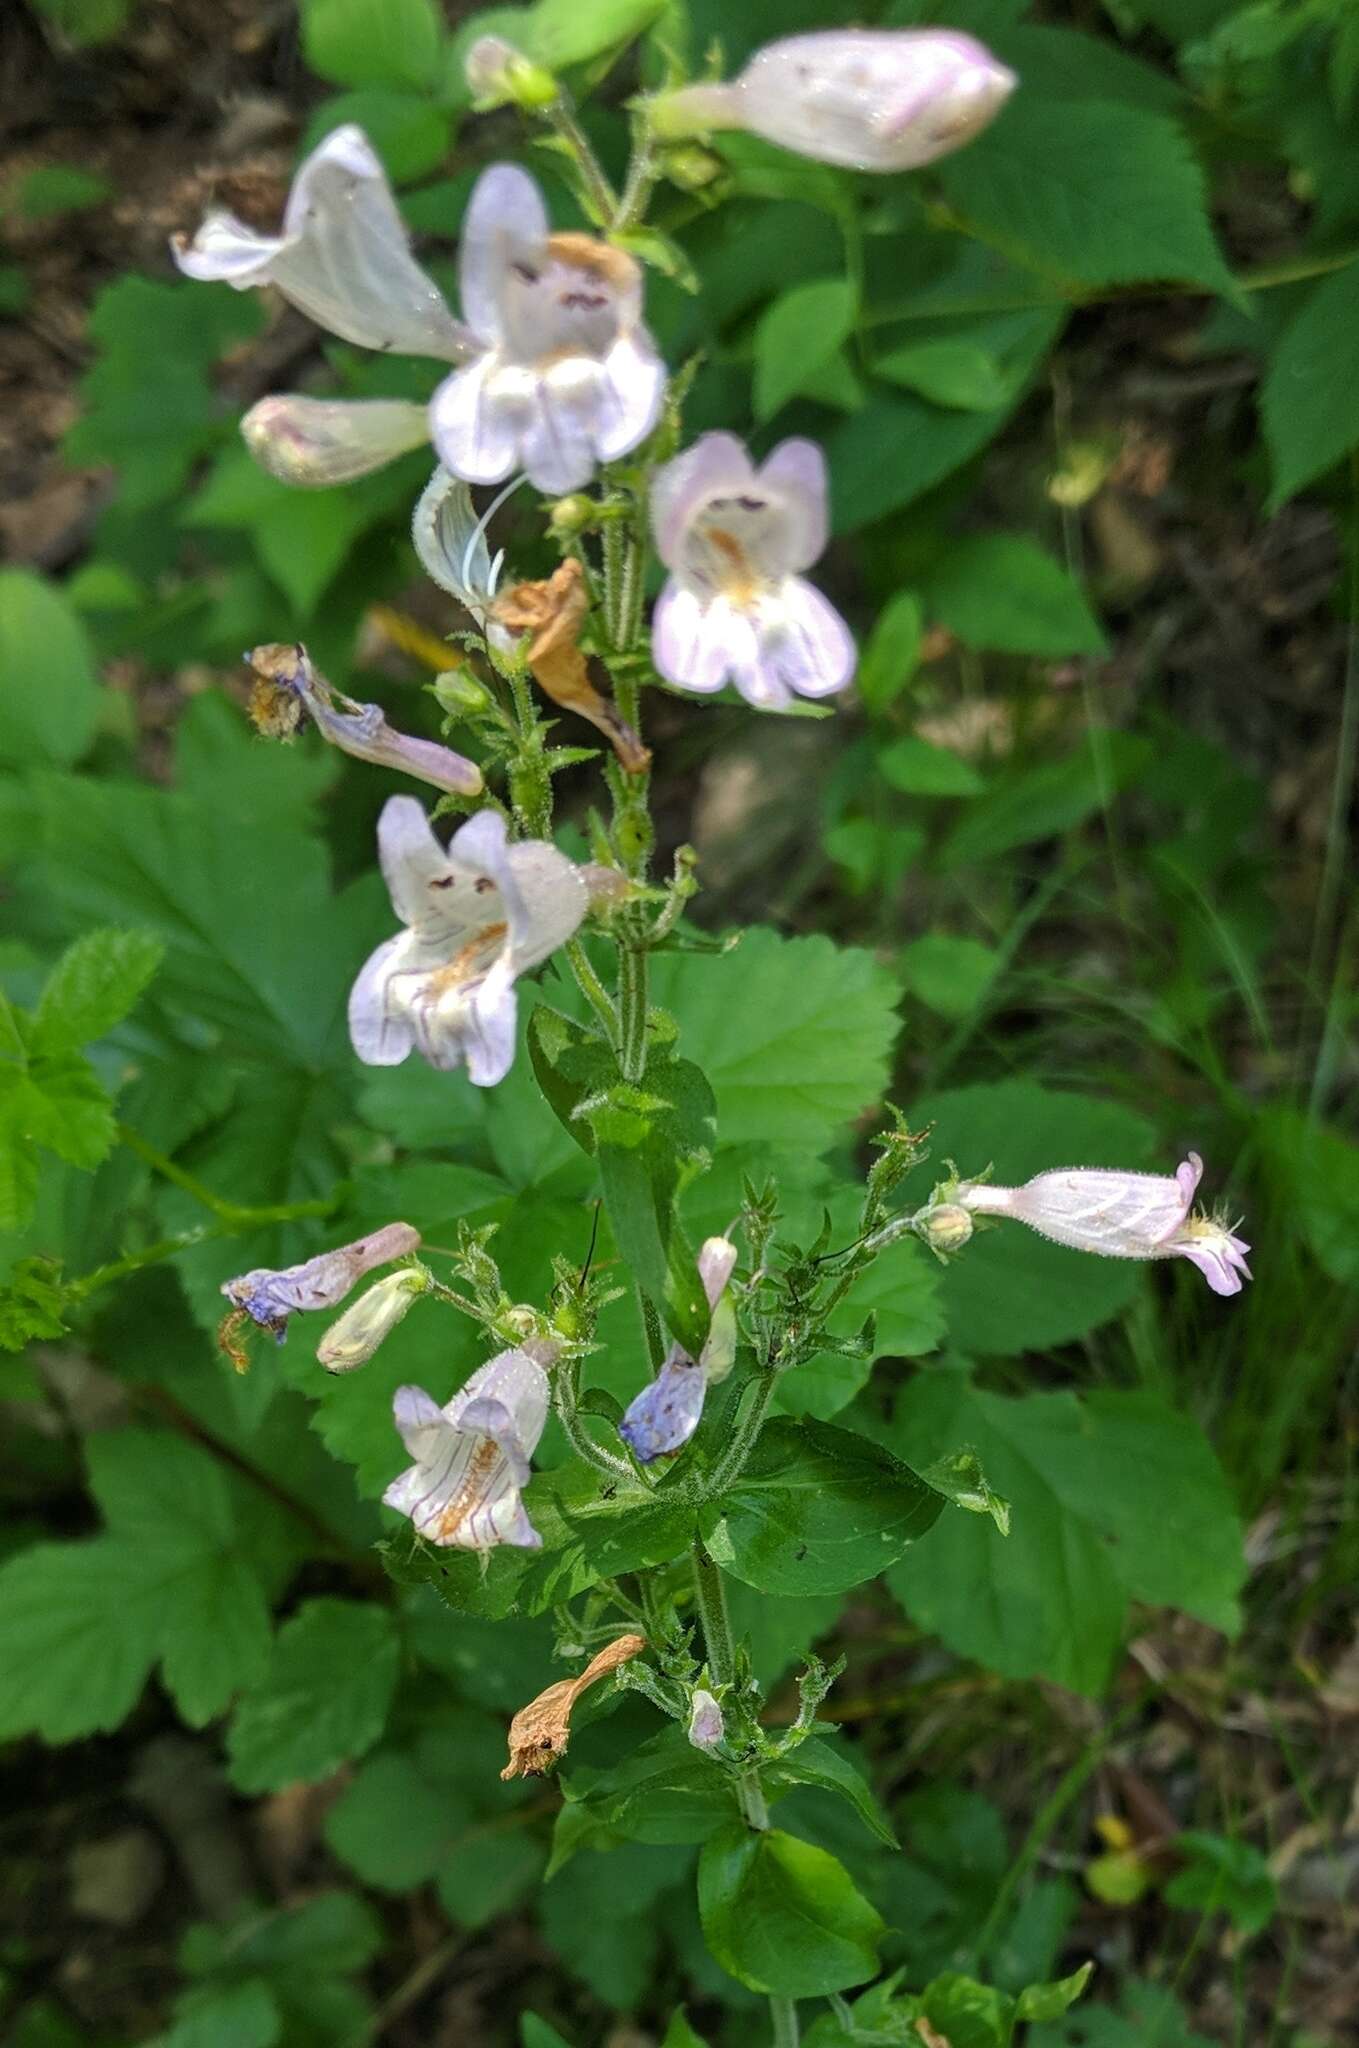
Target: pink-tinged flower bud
{"points": [[1121, 1216], [870, 99], [352, 1340], [496, 72], [706, 1726], [320, 441]]}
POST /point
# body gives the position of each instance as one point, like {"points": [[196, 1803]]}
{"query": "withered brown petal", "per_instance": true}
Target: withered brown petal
{"points": [[540, 1731]]}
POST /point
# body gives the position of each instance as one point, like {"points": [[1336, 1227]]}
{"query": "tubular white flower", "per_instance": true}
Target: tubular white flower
{"points": [[343, 257], [870, 99], [352, 1340], [1120, 1216], [706, 1726], [734, 606], [476, 918], [566, 375], [270, 1296], [291, 685], [315, 442], [662, 1418], [472, 1456]]}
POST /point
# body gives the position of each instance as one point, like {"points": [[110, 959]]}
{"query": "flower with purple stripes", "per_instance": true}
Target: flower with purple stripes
{"points": [[472, 1455]]}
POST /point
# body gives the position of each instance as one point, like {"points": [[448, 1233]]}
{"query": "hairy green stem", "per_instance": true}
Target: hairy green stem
{"points": [[732, 1462], [632, 993], [561, 117], [593, 989], [164, 1248], [566, 1386], [783, 2014], [651, 1324], [234, 1216]]}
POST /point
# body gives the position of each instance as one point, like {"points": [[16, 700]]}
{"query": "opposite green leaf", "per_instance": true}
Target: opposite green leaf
{"points": [[784, 1917], [1309, 402]]}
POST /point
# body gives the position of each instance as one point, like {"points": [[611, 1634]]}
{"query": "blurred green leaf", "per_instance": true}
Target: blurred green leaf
{"points": [[54, 189], [410, 134], [374, 42], [919, 769], [1031, 803], [85, 22], [1224, 1875], [50, 704], [1115, 1497], [782, 1916], [797, 336], [951, 373], [1000, 590], [1098, 193], [949, 974], [1309, 403], [1320, 1171], [890, 654]]}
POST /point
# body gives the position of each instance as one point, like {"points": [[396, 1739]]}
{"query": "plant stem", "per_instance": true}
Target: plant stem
{"points": [[561, 116], [730, 1465], [593, 989], [651, 1324], [783, 2014], [566, 1384], [632, 991], [234, 1216]]}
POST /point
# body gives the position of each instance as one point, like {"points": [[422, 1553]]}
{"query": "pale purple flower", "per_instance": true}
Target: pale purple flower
{"points": [[871, 99], [476, 917], [358, 729], [472, 1455], [706, 1726], [269, 1297], [561, 374], [1120, 1216], [663, 1417], [352, 1340], [565, 375], [734, 539]]}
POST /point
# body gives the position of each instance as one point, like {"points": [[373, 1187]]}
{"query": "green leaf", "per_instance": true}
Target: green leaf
{"points": [[83, 23], [1319, 1170], [664, 1793], [374, 42], [1000, 591], [386, 1826], [536, 2033], [950, 975], [182, 1575], [1309, 404], [814, 1762], [960, 1478], [93, 986], [411, 135], [58, 1102], [919, 769], [679, 2033], [891, 651], [818, 1510], [782, 1916], [1224, 1876], [1050, 2001], [565, 32], [31, 1303], [968, 2014], [1115, 1498], [243, 2015], [797, 336], [1098, 193], [1030, 804], [323, 1699], [952, 373], [793, 1034], [55, 189], [49, 707], [1011, 1290]]}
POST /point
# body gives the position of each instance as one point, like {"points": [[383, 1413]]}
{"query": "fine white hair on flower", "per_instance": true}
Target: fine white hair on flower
{"points": [[476, 917], [471, 1457], [1120, 1216], [566, 376], [735, 607], [560, 373]]}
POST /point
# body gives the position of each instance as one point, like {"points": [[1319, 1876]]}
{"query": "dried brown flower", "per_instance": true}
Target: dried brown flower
{"points": [[554, 612], [540, 1731]]}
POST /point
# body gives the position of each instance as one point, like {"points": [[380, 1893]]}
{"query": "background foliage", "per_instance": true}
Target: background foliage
{"points": [[1087, 393]]}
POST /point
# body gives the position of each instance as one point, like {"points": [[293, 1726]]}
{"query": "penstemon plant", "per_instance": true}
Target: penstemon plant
{"points": [[632, 1538]]}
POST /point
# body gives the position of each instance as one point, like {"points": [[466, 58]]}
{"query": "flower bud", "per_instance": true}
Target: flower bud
{"points": [[352, 1340], [945, 1227], [315, 442], [458, 692], [570, 516], [692, 167], [706, 1726], [870, 99], [496, 72]]}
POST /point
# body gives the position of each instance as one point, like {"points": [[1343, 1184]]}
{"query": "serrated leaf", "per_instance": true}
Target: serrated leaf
{"points": [[818, 1510], [1099, 193], [93, 986], [1115, 1497], [31, 1303], [793, 1034], [323, 1699]]}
